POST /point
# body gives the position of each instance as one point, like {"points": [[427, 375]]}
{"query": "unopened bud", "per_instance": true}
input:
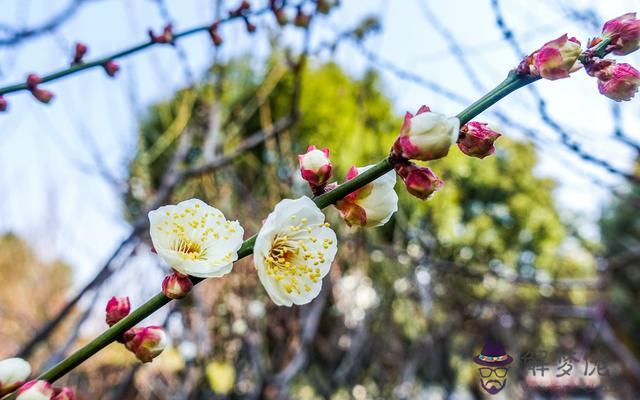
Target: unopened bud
{"points": [[79, 52], [426, 136], [251, 28], [63, 393], [624, 34], [117, 308], [4, 104], [555, 59], [33, 80], [419, 181], [176, 285], [35, 390], [146, 343], [315, 166], [42, 95], [215, 36], [13, 373], [476, 139], [111, 68], [618, 82], [165, 37], [281, 16]]}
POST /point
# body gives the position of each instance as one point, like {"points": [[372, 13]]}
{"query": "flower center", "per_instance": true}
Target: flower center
{"points": [[291, 263], [189, 249]]}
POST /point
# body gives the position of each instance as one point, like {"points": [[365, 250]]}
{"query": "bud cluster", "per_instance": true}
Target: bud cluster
{"points": [[165, 37], [42, 95]]}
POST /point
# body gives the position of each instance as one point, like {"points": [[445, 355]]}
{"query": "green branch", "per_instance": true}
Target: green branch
{"points": [[511, 84], [121, 54]]}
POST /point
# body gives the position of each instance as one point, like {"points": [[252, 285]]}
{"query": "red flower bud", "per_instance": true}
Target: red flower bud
{"points": [[117, 308], [165, 37], [111, 68], [419, 181], [176, 285], [146, 343], [42, 95], [250, 27], [33, 80], [476, 139], [80, 50], [3, 104], [63, 393], [215, 36]]}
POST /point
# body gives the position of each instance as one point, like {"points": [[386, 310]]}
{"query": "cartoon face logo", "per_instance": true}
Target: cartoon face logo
{"points": [[493, 362]]}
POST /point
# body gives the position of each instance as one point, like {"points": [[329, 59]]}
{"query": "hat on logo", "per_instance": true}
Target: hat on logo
{"points": [[493, 355]]}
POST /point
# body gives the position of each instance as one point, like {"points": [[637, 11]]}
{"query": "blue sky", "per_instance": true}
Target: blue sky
{"points": [[51, 194]]}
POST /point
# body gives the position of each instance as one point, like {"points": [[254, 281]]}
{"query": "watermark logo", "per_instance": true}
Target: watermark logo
{"points": [[493, 363]]}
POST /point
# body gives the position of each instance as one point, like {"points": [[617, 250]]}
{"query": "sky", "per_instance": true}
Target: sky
{"points": [[52, 194]]}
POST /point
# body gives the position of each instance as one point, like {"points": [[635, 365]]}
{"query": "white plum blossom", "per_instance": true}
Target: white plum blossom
{"points": [[13, 373], [294, 251], [195, 239], [372, 205]]}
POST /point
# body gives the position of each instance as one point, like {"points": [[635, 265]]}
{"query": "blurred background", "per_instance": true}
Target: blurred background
{"points": [[537, 246]]}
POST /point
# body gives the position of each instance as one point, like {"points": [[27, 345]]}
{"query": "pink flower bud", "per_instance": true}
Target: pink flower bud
{"points": [[476, 139], [146, 343], [117, 308], [618, 82], [13, 373], [420, 181], [165, 37], [624, 33], [80, 50], [35, 390], [42, 95], [111, 68], [315, 166], [64, 393], [215, 36], [425, 136], [4, 105], [176, 285], [302, 20], [33, 80], [556, 59]]}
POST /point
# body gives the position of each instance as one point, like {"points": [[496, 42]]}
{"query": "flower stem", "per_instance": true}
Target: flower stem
{"points": [[512, 83]]}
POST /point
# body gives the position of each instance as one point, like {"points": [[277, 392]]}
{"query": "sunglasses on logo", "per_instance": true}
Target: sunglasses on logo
{"points": [[499, 372]]}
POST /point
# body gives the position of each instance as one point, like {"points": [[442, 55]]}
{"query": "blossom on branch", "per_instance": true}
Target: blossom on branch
{"points": [[623, 33], [35, 390], [476, 139], [618, 82], [195, 239], [111, 68], [13, 373], [117, 308], [556, 59], [420, 181], [425, 136], [176, 285], [79, 52], [294, 251], [372, 205], [146, 343], [315, 167]]}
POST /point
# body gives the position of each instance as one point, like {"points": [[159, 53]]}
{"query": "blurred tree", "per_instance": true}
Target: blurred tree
{"points": [[22, 272], [411, 301]]}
